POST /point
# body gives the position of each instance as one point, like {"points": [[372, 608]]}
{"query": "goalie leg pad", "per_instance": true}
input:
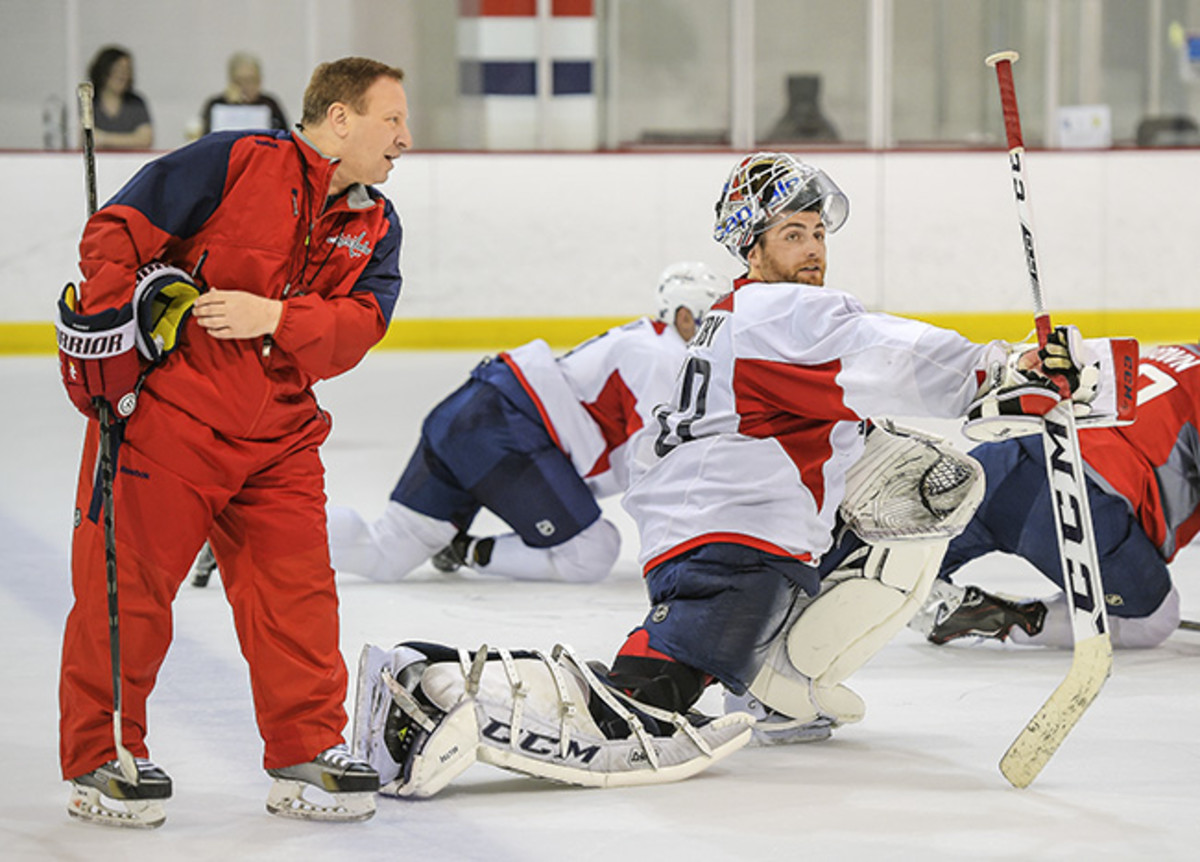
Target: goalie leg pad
{"points": [[526, 712], [860, 608], [416, 748]]}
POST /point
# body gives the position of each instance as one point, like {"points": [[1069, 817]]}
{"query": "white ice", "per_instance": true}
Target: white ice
{"points": [[917, 779]]}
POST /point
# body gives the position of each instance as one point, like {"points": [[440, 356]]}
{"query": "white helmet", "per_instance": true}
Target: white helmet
{"points": [[764, 188], [690, 284]]}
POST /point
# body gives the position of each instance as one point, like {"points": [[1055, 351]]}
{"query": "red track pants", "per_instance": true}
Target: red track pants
{"points": [[262, 504]]}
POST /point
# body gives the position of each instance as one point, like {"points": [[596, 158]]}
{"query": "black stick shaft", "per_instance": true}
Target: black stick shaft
{"points": [[107, 466]]}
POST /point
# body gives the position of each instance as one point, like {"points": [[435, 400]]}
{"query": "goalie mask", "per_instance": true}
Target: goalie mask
{"points": [[763, 189], [691, 285]]}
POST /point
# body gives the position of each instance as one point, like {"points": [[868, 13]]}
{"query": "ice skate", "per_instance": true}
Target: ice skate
{"points": [[349, 782], [142, 802], [952, 612], [454, 556], [775, 728], [203, 568]]}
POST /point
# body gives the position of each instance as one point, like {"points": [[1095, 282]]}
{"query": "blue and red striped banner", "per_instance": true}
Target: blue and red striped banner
{"points": [[499, 43]]}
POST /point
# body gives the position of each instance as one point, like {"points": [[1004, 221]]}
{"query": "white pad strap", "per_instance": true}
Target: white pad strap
{"points": [[608, 696], [519, 694], [407, 703], [566, 705]]}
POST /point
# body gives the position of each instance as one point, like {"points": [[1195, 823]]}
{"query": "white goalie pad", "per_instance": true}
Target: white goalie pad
{"points": [[425, 713], [416, 749], [860, 608], [1111, 374], [909, 485]]}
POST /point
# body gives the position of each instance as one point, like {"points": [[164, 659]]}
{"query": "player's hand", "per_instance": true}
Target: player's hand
{"points": [[97, 356], [232, 314], [1064, 360]]}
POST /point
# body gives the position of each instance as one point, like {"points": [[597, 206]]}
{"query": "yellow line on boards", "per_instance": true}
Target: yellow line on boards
{"points": [[1161, 326]]}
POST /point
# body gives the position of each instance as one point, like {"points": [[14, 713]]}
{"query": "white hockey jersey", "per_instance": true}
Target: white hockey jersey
{"points": [[593, 399], [765, 419]]}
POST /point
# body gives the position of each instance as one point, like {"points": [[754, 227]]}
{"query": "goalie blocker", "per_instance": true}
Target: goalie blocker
{"points": [[1014, 401], [425, 712]]}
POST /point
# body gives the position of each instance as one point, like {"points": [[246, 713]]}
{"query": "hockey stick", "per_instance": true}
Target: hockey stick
{"points": [[107, 468], [1092, 660]]}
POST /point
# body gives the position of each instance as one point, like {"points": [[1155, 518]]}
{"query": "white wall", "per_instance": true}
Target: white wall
{"points": [[575, 235]]}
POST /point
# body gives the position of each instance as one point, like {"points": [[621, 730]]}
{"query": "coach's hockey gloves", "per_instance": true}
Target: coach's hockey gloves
{"points": [[162, 301], [97, 356], [98, 353]]}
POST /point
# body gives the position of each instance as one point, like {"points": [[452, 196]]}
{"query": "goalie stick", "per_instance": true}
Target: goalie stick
{"points": [[1092, 659], [107, 468]]}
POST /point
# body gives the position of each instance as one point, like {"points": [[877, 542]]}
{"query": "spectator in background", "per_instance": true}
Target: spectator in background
{"points": [[243, 104], [122, 116]]}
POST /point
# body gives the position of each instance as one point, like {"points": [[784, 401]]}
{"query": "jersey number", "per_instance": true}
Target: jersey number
{"points": [[1160, 382], [676, 425]]}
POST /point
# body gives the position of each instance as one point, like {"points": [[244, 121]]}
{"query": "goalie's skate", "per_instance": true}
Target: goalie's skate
{"points": [[141, 803], [349, 783], [775, 728]]}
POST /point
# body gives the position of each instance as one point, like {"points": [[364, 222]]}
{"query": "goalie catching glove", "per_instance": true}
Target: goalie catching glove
{"points": [[98, 353], [425, 712], [1032, 380]]}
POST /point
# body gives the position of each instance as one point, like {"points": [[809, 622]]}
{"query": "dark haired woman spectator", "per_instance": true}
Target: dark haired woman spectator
{"points": [[122, 117]]}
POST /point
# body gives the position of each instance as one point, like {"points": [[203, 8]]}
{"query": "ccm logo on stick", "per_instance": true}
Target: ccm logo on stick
{"points": [[1066, 487]]}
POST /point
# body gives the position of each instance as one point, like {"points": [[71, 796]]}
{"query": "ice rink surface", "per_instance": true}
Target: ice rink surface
{"points": [[917, 779]]}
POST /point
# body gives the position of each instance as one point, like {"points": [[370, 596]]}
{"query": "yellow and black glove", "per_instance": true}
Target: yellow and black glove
{"points": [[162, 301]]}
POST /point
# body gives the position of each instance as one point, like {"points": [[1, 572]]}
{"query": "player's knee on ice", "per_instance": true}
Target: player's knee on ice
{"points": [[387, 549]]}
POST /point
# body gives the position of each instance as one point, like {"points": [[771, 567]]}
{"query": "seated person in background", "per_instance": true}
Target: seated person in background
{"points": [[1144, 491], [243, 104], [535, 439], [122, 117]]}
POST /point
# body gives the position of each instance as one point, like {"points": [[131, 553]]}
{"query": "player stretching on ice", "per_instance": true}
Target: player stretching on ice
{"points": [[301, 257], [536, 440], [737, 506], [1144, 488]]}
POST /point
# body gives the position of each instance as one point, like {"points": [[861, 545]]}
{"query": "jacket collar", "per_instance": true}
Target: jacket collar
{"points": [[356, 195]]}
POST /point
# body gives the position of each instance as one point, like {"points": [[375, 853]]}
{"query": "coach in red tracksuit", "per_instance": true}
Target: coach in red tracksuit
{"points": [[300, 257]]}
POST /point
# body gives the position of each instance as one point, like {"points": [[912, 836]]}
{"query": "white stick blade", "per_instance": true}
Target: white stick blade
{"points": [[1036, 744]]}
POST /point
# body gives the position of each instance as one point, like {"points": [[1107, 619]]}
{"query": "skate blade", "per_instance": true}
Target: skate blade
{"points": [[764, 734], [87, 804], [286, 799], [368, 710]]}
